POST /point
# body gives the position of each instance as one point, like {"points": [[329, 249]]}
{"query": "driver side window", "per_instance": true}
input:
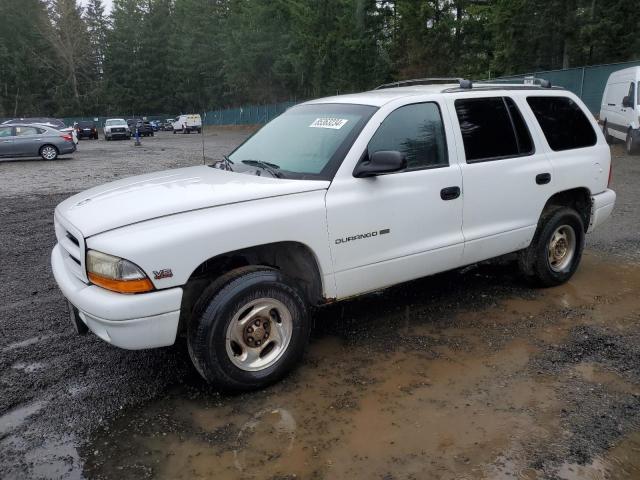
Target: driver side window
{"points": [[417, 131]]}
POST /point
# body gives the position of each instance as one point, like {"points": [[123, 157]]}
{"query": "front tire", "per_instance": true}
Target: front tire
{"points": [[631, 144], [556, 249], [249, 329], [607, 136]]}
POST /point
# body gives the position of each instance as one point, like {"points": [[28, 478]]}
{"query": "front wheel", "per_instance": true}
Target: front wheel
{"points": [[49, 152], [249, 329], [556, 249], [607, 135], [631, 144]]}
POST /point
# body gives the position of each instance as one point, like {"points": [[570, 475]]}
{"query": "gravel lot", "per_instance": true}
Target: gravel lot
{"points": [[468, 374]]}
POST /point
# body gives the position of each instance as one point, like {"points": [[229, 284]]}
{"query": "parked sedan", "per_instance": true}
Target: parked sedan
{"points": [[54, 123], [87, 129], [31, 140]]}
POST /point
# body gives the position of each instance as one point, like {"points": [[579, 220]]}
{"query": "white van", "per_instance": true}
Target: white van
{"points": [[188, 123], [620, 109]]}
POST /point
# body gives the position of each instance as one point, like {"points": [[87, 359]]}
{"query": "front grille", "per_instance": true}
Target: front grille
{"points": [[73, 248], [117, 130]]}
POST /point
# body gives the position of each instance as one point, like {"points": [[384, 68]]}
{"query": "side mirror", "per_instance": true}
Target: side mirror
{"points": [[627, 102], [383, 161]]}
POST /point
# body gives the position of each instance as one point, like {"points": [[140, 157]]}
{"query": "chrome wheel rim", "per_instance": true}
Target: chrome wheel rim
{"points": [[49, 153], [259, 334], [562, 248]]}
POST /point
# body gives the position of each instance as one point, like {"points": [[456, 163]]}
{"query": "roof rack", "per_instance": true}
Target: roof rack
{"points": [[426, 81], [528, 80]]}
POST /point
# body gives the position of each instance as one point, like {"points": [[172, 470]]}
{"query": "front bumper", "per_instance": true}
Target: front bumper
{"points": [[134, 322], [601, 207]]}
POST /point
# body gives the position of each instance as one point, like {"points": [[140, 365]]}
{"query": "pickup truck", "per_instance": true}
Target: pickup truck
{"points": [[335, 198]]}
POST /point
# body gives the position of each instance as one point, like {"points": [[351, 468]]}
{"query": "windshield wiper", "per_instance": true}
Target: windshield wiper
{"points": [[272, 168], [227, 163]]}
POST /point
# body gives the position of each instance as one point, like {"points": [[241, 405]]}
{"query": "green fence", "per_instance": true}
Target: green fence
{"points": [[247, 114], [71, 120], [586, 82], [244, 115]]}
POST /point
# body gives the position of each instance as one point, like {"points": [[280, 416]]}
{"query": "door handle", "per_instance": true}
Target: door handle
{"points": [[450, 193], [543, 178]]}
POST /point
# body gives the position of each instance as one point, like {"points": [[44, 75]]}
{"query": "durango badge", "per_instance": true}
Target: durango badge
{"points": [[164, 273]]}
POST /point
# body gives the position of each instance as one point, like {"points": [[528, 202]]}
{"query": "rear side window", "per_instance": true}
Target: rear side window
{"points": [[563, 123], [20, 131], [417, 131], [492, 128]]}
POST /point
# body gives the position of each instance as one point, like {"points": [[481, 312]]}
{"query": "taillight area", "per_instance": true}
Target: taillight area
{"points": [[67, 138]]}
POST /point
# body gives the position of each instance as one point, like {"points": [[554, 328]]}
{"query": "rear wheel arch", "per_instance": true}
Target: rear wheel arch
{"points": [[295, 260], [579, 199], [48, 145]]}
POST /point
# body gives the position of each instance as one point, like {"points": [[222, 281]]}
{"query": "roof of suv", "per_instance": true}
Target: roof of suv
{"points": [[385, 95]]}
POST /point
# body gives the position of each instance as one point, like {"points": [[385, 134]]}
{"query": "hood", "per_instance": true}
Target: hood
{"points": [[145, 197]]}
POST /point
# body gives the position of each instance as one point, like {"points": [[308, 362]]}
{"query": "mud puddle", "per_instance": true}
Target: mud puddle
{"points": [[467, 375]]}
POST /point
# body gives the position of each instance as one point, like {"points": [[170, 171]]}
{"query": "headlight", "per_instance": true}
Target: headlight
{"points": [[116, 274]]}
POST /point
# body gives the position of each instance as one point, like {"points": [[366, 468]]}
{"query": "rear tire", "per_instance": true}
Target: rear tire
{"points": [[249, 328], [48, 152], [556, 248]]}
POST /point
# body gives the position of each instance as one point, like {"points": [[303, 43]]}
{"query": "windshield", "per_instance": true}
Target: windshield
{"points": [[115, 122], [308, 141]]}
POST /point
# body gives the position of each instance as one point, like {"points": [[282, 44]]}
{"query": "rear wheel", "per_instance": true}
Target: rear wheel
{"points": [[48, 152], [249, 329], [556, 249], [631, 143]]}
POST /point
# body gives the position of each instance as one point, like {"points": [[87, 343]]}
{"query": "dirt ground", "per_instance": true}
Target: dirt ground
{"points": [[468, 374]]}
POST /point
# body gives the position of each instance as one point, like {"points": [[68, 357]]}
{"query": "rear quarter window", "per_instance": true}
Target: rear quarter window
{"points": [[563, 123]]}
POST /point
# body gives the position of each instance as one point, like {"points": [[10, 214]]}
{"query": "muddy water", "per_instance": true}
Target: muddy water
{"points": [[450, 377]]}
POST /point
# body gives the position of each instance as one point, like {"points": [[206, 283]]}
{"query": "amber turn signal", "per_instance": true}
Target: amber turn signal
{"points": [[121, 286]]}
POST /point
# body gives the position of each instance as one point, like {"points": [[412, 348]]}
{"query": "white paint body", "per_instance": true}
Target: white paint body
{"points": [[619, 118], [187, 123], [179, 219]]}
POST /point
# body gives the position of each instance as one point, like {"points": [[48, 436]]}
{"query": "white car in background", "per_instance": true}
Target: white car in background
{"points": [[116, 128]]}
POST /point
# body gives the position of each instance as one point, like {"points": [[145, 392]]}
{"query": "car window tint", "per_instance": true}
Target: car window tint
{"points": [[563, 123], [21, 131], [415, 130], [6, 131], [487, 132], [525, 144], [632, 93]]}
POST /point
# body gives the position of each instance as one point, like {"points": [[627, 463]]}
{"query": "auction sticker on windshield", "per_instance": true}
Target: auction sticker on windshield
{"points": [[334, 123]]}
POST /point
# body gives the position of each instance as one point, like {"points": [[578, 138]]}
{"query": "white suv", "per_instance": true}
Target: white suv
{"points": [[335, 198]]}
